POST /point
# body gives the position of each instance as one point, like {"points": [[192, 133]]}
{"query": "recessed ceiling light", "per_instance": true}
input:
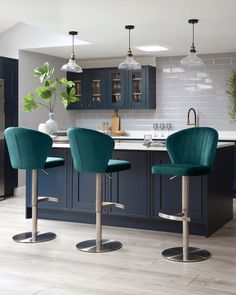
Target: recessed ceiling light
{"points": [[152, 48]]}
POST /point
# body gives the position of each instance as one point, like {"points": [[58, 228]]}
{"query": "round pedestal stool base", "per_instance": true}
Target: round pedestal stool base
{"points": [[194, 254], [41, 237], [106, 246]]}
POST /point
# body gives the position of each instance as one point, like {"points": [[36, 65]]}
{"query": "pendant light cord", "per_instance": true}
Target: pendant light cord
{"points": [[129, 40], [193, 49], [129, 51], [193, 33], [73, 47]]}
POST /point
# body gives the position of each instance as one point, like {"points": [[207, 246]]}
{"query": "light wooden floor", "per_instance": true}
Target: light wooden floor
{"points": [[57, 267]]}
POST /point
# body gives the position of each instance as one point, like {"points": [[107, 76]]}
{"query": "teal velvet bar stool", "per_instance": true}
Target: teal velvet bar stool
{"points": [[91, 151], [192, 153], [28, 149]]}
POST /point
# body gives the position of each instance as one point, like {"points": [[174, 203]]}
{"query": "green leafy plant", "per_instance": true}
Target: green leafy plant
{"points": [[231, 91], [49, 91]]}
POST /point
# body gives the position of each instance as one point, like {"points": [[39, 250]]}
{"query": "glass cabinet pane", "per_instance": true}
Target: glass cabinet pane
{"points": [[116, 87], [96, 90], [137, 87], [78, 88]]}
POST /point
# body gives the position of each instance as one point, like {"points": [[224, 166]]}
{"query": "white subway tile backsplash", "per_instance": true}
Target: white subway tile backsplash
{"points": [[178, 89], [222, 61]]}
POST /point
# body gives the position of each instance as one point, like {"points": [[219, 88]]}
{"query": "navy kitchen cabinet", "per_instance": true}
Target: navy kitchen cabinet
{"points": [[9, 72], [132, 89], [110, 88], [91, 89]]}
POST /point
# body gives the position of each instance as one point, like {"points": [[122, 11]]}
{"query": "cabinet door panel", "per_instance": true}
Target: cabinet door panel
{"points": [[83, 191], [168, 193], [97, 89], [54, 184], [116, 89], [137, 89], [80, 88], [131, 187]]}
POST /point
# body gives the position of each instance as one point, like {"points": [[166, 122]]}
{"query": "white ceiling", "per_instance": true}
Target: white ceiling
{"points": [[101, 22]]}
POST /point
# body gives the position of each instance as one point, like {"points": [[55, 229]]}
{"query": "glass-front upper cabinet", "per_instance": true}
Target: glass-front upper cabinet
{"points": [[96, 89], [78, 79], [110, 88], [137, 91], [116, 88]]}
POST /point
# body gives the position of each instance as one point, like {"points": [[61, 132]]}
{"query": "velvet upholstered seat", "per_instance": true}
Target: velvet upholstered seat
{"points": [[91, 152], [192, 153], [29, 149]]}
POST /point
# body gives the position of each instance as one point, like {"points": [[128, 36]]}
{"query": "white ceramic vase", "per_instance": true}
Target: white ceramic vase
{"points": [[43, 128], [51, 124]]}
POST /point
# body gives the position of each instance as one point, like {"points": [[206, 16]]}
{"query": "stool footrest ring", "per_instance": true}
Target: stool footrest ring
{"points": [[176, 217], [47, 199], [112, 205]]}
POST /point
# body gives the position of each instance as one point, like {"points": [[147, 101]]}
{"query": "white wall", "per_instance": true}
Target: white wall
{"points": [[28, 61], [24, 37]]}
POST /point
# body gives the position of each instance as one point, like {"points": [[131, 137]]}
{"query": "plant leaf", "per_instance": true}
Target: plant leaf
{"points": [[44, 93], [30, 103], [44, 72]]}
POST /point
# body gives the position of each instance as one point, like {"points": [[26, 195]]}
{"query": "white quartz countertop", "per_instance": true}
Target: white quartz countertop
{"points": [[134, 135], [138, 135], [138, 146]]}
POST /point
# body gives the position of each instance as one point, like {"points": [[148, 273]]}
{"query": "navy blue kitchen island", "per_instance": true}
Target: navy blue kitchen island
{"points": [[143, 194]]}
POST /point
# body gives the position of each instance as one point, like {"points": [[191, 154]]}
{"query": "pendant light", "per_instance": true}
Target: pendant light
{"points": [[72, 66], [192, 59], [129, 63]]}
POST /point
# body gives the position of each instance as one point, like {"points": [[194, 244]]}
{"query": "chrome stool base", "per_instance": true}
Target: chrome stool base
{"points": [[41, 237], [91, 247], [194, 254]]}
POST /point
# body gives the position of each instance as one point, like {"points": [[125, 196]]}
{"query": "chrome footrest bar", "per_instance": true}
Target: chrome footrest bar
{"points": [[112, 205], [47, 199], [176, 217]]}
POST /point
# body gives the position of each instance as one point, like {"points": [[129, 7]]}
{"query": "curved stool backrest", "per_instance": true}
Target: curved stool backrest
{"points": [[28, 149], [193, 146], [90, 149]]}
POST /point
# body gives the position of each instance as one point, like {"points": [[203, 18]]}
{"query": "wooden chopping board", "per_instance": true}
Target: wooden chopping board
{"points": [[115, 122]]}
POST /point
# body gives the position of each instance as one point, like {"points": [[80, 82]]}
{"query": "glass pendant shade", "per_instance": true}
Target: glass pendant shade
{"points": [[129, 63], [192, 59], [72, 66]]}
